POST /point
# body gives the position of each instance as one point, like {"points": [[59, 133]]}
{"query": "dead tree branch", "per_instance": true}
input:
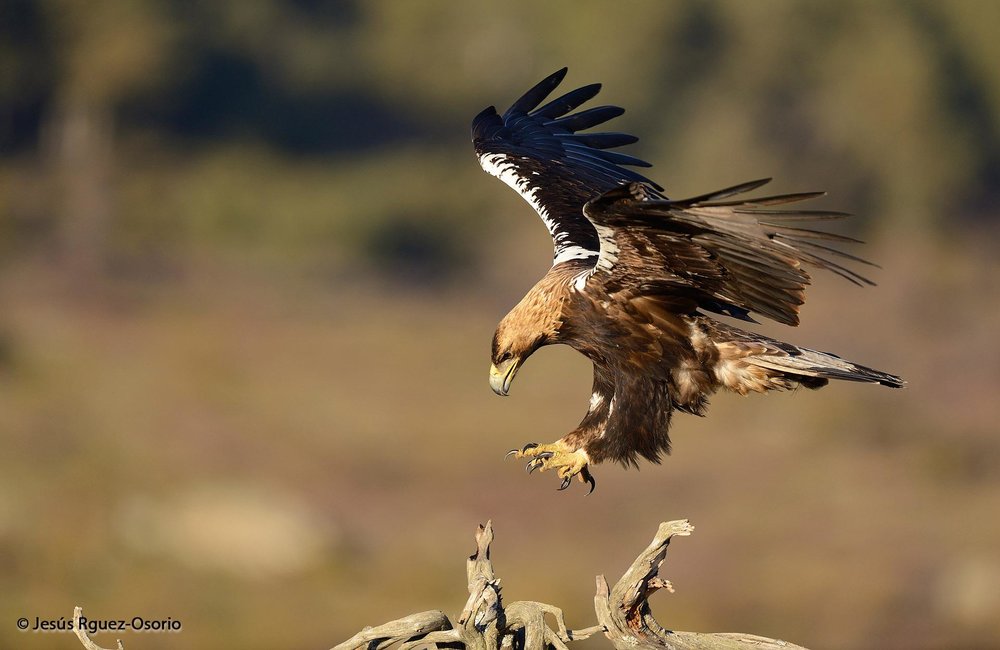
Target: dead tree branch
{"points": [[623, 614], [81, 633]]}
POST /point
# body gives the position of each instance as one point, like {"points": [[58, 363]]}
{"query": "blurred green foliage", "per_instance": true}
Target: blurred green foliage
{"points": [[298, 128], [249, 269]]}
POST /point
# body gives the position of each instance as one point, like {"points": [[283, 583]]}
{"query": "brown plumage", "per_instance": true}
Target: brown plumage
{"points": [[634, 278]]}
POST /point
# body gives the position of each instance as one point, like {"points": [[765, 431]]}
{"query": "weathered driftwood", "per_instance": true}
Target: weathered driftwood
{"points": [[623, 614], [624, 611]]}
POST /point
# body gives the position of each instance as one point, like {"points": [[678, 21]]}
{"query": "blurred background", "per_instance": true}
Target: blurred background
{"points": [[250, 271]]}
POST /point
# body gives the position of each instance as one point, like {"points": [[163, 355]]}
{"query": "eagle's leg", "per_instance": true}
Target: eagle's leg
{"points": [[559, 456]]}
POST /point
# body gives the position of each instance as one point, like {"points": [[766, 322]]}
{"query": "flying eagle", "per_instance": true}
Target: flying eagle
{"points": [[635, 275]]}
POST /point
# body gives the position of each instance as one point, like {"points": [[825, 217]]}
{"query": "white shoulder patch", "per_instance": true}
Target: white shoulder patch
{"points": [[572, 253], [609, 249], [605, 261]]}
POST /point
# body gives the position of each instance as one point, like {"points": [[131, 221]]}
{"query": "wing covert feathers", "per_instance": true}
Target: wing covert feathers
{"points": [[745, 254]]}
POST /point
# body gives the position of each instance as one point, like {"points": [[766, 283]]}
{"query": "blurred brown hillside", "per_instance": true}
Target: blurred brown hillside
{"points": [[249, 272]]}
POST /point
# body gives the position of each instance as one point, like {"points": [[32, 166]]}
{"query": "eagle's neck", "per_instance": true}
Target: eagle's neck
{"points": [[543, 309]]}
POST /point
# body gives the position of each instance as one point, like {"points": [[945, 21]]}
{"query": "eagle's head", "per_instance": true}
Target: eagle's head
{"points": [[529, 326], [511, 347]]}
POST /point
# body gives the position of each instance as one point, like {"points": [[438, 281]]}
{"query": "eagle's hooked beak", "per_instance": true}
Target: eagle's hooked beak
{"points": [[500, 377]]}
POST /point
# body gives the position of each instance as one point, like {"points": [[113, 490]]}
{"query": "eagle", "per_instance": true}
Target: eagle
{"points": [[636, 278]]}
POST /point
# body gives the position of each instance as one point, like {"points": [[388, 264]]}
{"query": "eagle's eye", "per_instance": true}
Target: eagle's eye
{"points": [[505, 357]]}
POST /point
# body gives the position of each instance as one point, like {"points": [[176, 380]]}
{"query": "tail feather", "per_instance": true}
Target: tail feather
{"points": [[748, 361], [804, 362]]}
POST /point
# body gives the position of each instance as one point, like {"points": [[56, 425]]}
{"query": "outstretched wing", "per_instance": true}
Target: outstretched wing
{"points": [[542, 154], [727, 256]]}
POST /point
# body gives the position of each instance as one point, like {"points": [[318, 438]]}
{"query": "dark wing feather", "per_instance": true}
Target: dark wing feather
{"points": [[540, 153], [601, 140], [727, 256], [568, 102], [538, 92], [586, 119]]}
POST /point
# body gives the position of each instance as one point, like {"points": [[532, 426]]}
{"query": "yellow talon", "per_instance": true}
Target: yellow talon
{"points": [[557, 456]]}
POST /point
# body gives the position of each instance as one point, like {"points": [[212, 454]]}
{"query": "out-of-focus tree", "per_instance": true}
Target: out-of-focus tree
{"points": [[102, 51]]}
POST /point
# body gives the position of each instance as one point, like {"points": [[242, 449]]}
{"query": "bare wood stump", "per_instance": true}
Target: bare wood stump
{"points": [[623, 613]]}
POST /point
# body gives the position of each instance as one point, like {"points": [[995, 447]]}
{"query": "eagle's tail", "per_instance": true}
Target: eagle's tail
{"points": [[748, 361], [812, 368]]}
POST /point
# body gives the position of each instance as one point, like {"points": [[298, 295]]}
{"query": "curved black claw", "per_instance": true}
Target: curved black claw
{"points": [[514, 452], [587, 478]]}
